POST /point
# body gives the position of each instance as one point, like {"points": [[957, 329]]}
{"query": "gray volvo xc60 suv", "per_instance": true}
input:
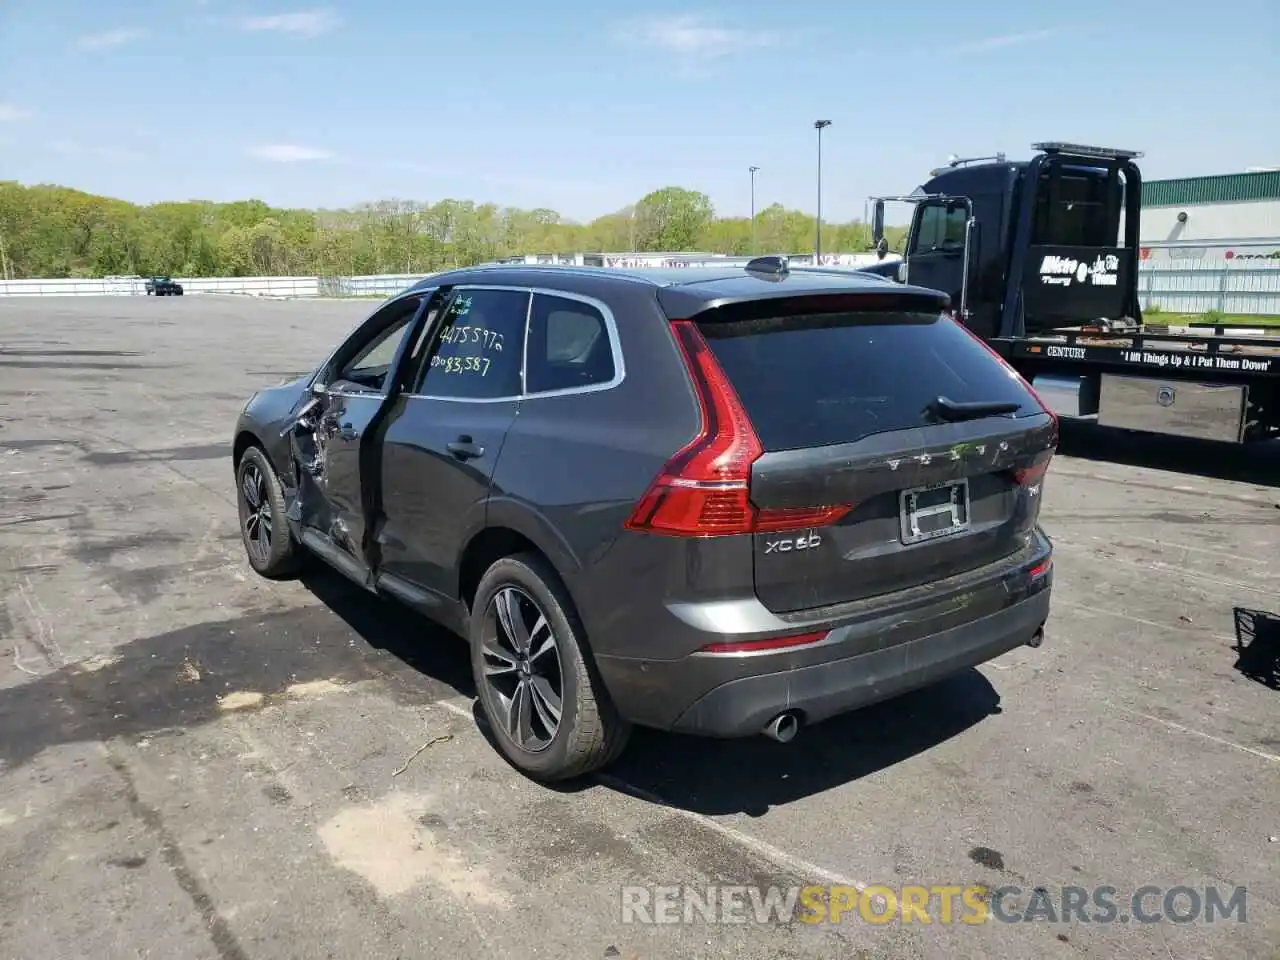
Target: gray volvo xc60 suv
{"points": [[722, 501]]}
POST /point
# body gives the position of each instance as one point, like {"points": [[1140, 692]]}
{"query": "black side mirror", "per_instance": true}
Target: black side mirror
{"points": [[877, 223], [882, 248]]}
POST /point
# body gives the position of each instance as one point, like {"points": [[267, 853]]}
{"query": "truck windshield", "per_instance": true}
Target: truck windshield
{"points": [[1076, 207]]}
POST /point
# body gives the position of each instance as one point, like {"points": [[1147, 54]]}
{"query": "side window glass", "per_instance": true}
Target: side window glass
{"points": [[940, 229], [953, 225], [369, 368], [480, 347], [568, 345]]}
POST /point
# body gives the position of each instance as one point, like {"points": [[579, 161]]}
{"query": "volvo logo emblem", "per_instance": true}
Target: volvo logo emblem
{"points": [[1165, 397]]}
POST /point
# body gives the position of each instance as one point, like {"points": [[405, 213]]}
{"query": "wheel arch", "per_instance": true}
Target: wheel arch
{"points": [[244, 440], [510, 529]]}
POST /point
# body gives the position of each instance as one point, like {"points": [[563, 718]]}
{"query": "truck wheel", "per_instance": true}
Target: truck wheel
{"points": [[550, 713]]}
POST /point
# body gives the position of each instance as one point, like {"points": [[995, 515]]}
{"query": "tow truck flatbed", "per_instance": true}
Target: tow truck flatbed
{"points": [[1152, 348]]}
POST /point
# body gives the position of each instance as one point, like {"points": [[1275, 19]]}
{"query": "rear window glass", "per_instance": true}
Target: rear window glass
{"points": [[811, 381]]}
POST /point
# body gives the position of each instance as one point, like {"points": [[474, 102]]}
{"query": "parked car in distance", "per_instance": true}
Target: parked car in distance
{"points": [[163, 287], [725, 502]]}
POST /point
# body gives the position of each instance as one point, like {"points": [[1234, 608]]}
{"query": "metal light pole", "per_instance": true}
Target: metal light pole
{"points": [[753, 171], [819, 125]]}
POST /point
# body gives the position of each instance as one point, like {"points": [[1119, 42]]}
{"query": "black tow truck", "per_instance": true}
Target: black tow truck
{"points": [[1040, 258]]}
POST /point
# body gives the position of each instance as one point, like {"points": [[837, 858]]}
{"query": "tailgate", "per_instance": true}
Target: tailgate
{"points": [[925, 504], [932, 443]]}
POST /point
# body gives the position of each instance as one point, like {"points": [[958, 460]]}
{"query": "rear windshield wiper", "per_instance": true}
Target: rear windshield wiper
{"points": [[946, 409]]}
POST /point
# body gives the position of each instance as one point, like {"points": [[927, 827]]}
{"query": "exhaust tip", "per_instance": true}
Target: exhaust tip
{"points": [[783, 727], [1037, 638]]}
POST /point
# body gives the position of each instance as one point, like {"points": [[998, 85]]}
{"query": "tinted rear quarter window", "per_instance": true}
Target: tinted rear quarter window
{"points": [[569, 345], [817, 380]]}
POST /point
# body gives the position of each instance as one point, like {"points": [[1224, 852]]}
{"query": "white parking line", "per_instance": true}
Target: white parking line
{"points": [[1187, 628], [803, 869], [1262, 754]]}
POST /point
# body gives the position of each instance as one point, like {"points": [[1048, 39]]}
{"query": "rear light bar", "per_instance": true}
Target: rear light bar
{"points": [[1041, 568], [760, 646], [704, 490]]}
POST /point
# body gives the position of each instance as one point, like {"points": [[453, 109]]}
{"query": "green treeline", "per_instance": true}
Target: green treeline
{"points": [[52, 231]]}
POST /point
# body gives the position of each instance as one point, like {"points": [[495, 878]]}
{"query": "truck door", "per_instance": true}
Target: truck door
{"points": [[935, 247]]}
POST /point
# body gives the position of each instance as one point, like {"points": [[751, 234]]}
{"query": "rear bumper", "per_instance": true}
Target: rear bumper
{"points": [[867, 656], [742, 707]]}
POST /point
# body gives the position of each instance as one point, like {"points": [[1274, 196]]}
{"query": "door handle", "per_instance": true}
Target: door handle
{"points": [[464, 449]]}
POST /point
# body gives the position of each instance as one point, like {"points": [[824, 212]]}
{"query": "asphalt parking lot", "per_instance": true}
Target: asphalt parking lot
{"points": [[195, 762]]}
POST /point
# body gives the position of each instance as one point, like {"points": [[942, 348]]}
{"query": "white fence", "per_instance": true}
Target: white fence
{"points": [[1177, 286], [1238, 286], [384, 285]]}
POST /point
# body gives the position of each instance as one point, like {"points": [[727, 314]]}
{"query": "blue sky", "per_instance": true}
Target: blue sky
{"points": [[585, 106]]}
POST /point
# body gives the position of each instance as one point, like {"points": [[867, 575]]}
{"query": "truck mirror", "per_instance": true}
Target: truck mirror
{"points": [[877, 222], [882, 248]]}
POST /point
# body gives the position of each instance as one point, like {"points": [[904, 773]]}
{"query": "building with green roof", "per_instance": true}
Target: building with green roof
{"points": [[1225, 216]]}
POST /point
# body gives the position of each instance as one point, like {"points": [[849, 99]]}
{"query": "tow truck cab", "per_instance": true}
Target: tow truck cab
{"points": [[1040, 259], [1044, 247]]}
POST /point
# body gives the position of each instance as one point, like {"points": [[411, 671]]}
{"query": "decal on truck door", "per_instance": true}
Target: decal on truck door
{"points": [[1065, 286], [1063, 271]]}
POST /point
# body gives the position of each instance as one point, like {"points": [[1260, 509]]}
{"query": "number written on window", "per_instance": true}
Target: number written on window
{"points": [[479, 350]]}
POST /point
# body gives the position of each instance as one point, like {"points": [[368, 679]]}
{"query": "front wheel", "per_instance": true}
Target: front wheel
{"points": [[550, 713], [264, 529]]}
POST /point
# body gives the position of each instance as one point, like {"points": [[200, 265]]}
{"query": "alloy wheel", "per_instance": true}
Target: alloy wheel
{"points": [[522, 668], [258, 518]]}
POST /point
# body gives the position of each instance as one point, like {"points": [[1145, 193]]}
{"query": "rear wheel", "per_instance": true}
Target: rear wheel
{"points": [[550, 714], [268, 542]]}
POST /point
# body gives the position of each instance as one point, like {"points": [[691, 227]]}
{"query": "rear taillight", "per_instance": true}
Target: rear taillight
{"points": [[705, 489], [1032, 474]]}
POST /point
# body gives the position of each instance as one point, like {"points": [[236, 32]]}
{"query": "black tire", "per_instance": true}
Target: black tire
{"points": [[589, 733], [279, 557]]}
